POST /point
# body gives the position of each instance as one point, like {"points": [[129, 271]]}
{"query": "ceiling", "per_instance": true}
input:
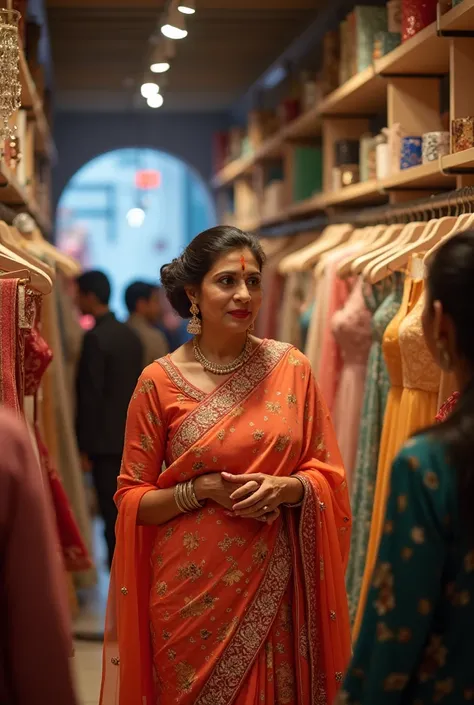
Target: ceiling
{"points": [[99, 50]]}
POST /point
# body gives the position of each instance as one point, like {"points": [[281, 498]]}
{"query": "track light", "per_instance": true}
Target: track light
{"points": [[187, 7], [155, 101], [159, 60], [149, 89], [175, 26], [160, 67]]}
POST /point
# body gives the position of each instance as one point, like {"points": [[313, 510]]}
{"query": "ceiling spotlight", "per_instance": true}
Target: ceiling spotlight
{"points": [[160, 67], [149, 89], [174, 27], [135, 217], [187, 7], [155, 101], [160, 56]]}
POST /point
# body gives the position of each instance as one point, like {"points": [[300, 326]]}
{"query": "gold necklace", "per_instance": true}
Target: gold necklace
{"points": [[214, 367]]}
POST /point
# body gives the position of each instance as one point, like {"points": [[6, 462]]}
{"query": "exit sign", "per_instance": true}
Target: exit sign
{"points": [[147, 179]]}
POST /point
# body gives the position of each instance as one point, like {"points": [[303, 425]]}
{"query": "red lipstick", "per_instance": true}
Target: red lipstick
{"points": [[241, 314]]}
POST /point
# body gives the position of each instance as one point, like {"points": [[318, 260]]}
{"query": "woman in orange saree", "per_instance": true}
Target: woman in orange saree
{"points": [[212, 608]]}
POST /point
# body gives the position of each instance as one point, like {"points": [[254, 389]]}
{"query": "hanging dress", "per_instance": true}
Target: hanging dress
{"points": [[384, 301], [351, 327], [418, 408]]}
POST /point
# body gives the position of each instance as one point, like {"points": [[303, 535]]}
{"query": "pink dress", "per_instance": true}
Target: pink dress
{"points": [[331, 362], [351, 327]]}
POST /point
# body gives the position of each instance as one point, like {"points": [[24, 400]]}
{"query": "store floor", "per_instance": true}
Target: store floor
{"points": [[88, 654]]}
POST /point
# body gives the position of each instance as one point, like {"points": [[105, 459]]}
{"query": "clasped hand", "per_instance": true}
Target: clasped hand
{"points": [[257, 496]]}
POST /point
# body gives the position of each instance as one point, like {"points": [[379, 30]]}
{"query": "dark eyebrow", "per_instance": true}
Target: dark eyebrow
{"points": [[234, 272]]}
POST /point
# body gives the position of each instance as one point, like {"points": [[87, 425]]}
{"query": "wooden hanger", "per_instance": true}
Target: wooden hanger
{"points": [[33, 236], [387, 237], [11, 262], [10, 241], [465, 222], [378, 236], [410, 233], [399, 260], [306, 258]]}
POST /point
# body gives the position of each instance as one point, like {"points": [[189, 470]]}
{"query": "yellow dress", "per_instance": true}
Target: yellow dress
{"points": [[411, 407]]}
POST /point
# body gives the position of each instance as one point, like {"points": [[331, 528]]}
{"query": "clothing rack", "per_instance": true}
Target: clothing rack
{"points": [[459, 200]]}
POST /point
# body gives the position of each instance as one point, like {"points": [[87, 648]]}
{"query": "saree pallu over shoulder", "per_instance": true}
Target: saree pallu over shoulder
{"points": [[199, 598], [227, 396]]}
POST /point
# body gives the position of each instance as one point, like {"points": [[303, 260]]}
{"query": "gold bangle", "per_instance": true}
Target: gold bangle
{"points": [[185, 497], [178, 498], [191, 494]]}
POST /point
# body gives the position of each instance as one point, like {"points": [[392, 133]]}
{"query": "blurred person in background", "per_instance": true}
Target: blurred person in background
{"points": [[143, 302], [416, 642], [171, 325], [110, 364], [35, 637]]}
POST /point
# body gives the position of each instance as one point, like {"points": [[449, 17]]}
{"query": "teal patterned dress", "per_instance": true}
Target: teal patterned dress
{"points": [[416, 645], [384, 300]]}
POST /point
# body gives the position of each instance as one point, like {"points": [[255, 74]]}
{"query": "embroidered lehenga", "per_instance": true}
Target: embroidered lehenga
{"points": [[209, 609]]}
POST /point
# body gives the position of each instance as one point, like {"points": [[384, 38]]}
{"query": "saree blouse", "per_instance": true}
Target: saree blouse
{"points": [[417, 636], [200, 597]]}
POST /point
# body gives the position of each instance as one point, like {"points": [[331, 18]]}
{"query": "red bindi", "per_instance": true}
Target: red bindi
{"points": [[242, 262]]}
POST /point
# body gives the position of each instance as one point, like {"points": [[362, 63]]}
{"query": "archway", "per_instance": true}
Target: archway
{"points": [[129, 211]]}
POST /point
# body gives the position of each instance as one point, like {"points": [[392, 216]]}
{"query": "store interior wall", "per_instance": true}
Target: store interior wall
{"points": [[80, 137]]}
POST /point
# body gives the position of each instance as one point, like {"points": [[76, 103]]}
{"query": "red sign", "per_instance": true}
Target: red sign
{"points": [[147, 179]]}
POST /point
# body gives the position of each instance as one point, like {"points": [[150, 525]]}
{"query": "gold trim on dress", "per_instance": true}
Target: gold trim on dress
{"points": [[179, 380], [227, 396], [232, 668]]}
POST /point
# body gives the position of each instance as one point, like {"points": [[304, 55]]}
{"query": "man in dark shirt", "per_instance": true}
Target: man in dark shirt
{"points": [[109, 367]]}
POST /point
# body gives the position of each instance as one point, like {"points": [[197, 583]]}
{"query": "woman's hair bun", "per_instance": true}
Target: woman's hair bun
{"points": [[190, 268], [174, 280]]}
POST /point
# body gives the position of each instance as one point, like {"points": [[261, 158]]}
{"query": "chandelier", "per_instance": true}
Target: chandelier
{"points": [[10, 85]]}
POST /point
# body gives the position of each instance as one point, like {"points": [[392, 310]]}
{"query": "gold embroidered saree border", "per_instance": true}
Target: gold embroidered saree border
{"points": [[179, 380], [232, 668], [234, 391], [312, 575]]}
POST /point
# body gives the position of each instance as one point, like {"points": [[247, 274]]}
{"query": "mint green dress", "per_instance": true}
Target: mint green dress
{"points": [[384, 301], [416, 644]]}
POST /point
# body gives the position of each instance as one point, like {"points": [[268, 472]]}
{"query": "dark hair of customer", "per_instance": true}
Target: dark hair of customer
{"points": [[198, 258], [138, 291], [451, 282], [96, 283]]}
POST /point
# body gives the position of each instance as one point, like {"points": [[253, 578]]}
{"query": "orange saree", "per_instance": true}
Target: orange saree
{"points": [[209, 609]]}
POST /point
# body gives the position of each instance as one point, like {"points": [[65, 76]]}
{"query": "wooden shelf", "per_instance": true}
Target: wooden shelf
{"points": [[16, 196], [362, 94], [423, 54], [233, 170], [31, 101], [364, 193], [424, 176], [460, 160], [305, 126], [459, 19], [307, 207]]}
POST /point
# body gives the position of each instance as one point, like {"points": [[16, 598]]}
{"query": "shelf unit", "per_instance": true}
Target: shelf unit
{"points": [[12, 193], [406, 84]]}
